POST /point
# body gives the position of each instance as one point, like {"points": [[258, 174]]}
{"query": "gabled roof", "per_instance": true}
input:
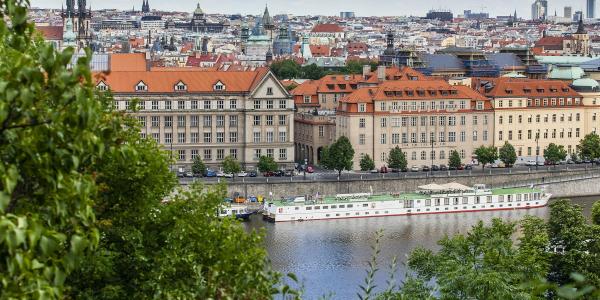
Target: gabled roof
{"points": [[197, 81], [51, 33], [529, 88], [327, 28]]}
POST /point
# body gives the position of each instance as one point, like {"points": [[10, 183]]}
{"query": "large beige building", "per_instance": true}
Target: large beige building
{"points": [[211, 114], [531, 114], [427, 119]]}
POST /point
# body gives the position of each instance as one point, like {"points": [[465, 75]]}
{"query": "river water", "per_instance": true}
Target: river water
{"points": [[329, 257]]}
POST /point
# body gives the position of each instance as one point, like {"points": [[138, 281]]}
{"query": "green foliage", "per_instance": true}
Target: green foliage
{"points": [[286, 69], [596, 213], [266, 164], [396, 159], [508, 155], [555, 153], [198, 166], [454, 161], [486, 155], [574, 156], [313, 72], [338, 156], [482, 264], [231, 165], [367, 163], [589, 146]]}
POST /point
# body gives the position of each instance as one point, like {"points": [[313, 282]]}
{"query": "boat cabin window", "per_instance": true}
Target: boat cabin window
{"points": [[409, 203], [365, 204], [325, 207], [518, 197], [455, 202], [465, 200], [296, 208], [446, 201], [477, 200], [489, 199], [427, 202], [341, 206], [317, 207], [333, 206], [526, 197], [509, 198], [349, 206], [309, 208], [501, 198], [438, 202]]}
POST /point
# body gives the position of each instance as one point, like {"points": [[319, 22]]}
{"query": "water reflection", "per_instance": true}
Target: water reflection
{"points": [[330, 256]]}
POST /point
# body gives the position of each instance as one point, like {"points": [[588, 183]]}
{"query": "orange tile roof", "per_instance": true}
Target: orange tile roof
{"points": [[197, 82], [51, 32], [127, 62], [327, 28], [530, 88]]}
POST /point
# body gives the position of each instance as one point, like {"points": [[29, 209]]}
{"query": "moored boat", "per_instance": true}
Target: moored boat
{"points": [[429, 199], [239, 211]]}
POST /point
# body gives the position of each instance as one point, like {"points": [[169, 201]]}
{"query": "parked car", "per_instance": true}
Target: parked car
{"points": [[211, 173], [220, 174], [443, 168], [435, 168], [374, 171], [310, 169], [570, 162], [228, 175], [426, 169], [252, 174], [384, 170], [466, 167], [242, 174], [180, 174], [269, 174], [253, 199], [530, 163], [289, 173], [415, 169], [279, 173], [540, 163]]}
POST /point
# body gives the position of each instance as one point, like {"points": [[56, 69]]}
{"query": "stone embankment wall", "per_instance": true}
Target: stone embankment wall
{"points": [[559, 183]]}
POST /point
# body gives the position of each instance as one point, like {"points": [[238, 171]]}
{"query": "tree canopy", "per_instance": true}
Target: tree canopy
{"points": [[397, 159], [486, 155], [508, 155], [338, 156], [367, 163], [198, 166], [454, 161], [555, 153], [231, 165], [589, 146], [266, 164]]}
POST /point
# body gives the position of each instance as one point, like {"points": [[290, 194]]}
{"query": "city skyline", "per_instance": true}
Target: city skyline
{"points": [[315, 7]]}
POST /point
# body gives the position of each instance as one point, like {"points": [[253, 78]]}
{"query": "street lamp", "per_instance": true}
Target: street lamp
{"points": [[537, 149]]}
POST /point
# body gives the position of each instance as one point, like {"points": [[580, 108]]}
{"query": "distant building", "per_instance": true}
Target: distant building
{"points": [[539, 10], [152, 23], [145, 6], [591, 9], [442, 15], [468, 14], [568, 12], [577, 15], [347, 15], [201, 24], [81, 21]]}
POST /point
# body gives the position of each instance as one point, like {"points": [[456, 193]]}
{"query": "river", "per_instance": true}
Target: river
{"points": [[329, 257]]}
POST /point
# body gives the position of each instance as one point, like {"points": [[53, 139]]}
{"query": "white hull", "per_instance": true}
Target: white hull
{"points": [[368, 209]]}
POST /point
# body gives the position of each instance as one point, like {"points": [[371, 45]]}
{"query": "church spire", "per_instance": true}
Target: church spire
{"points": [[580, 27]]}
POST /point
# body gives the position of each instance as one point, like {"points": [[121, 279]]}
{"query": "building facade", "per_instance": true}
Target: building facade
{"points": [[211, 114], [427, 119]]}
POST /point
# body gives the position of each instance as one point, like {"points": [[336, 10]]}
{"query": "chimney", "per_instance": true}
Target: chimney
{"points": [[381, 73], [366, 71]]}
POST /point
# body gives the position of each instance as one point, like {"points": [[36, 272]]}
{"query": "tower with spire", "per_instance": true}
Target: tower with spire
{"points": [[581, 39], [145, 6], [80, 21], [267, 23]]}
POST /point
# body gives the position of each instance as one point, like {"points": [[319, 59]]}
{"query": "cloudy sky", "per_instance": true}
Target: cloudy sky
{"points": [[331, 7]]}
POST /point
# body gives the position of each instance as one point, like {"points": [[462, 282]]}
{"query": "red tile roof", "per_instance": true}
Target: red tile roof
{"points": [[51, 32], [327, 28], [530, 88], [196, 81], [128, 62]]}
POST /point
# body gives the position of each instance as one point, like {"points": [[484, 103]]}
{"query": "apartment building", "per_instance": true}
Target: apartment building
{"points": [[427, 119], [530, 114], [211, 114]]}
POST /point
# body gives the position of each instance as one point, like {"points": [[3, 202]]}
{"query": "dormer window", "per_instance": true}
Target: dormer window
{"points": [[219, 86], [180, 87], [101, 86], [141, 86], [269, 91]]}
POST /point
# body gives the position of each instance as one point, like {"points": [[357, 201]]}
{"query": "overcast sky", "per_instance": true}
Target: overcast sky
{"points": [[332, 7]]}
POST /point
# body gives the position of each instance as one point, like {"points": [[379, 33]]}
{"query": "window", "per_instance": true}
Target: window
{"points": [[193, 154], [383, 122], [269, 120], [362, 123], [194, 104], [282, 119], [270, 153], [155, 121], [194, 121], [207, 154], [423, 155], [181, 137], [306, 100], [474, 120], [168, 138], [362, 107], [282, 136], [142, 120], [269, 136], [500, 136], [257, 137], [207, 122], [141, 86], [233, 153], [233, 137], [168, 104], [383, 139], [180, 104], [282, 104], [219, 86], [282, 154], [207, 104], [168, 121], [269, 91], [361, 139], [475, 135], [194, 137], [220, 154], [220, 121], [181, 155], [180, 121], [220, 137], [207, 137], [154, 105], [220, 104], [270, 104], [485, 135], [233, 121], [256, 121]]}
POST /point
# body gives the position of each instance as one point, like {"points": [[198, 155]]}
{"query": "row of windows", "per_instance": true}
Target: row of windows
{"points": [[207, 120], [423, 155], [547, 118], [196, 104], [398, 138], [422, 106], [220, 154], [540, 135], [219, 137], [540, 102], [424, 121]]}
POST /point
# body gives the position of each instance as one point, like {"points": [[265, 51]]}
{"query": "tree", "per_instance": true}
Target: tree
{"points": [[396, 159], [555, 153], [484, 263], [589, 146], [454, 161], [266, 164], [339, 155], [486, 155], [312, 71], [231, 165], [574, 156], [596, 213], [198, 166], [508, 155], [367, 163], [286, 69]]}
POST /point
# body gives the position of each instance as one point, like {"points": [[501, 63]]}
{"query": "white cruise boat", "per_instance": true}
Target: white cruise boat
{"points": [[430, 199], [235, 210]]}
